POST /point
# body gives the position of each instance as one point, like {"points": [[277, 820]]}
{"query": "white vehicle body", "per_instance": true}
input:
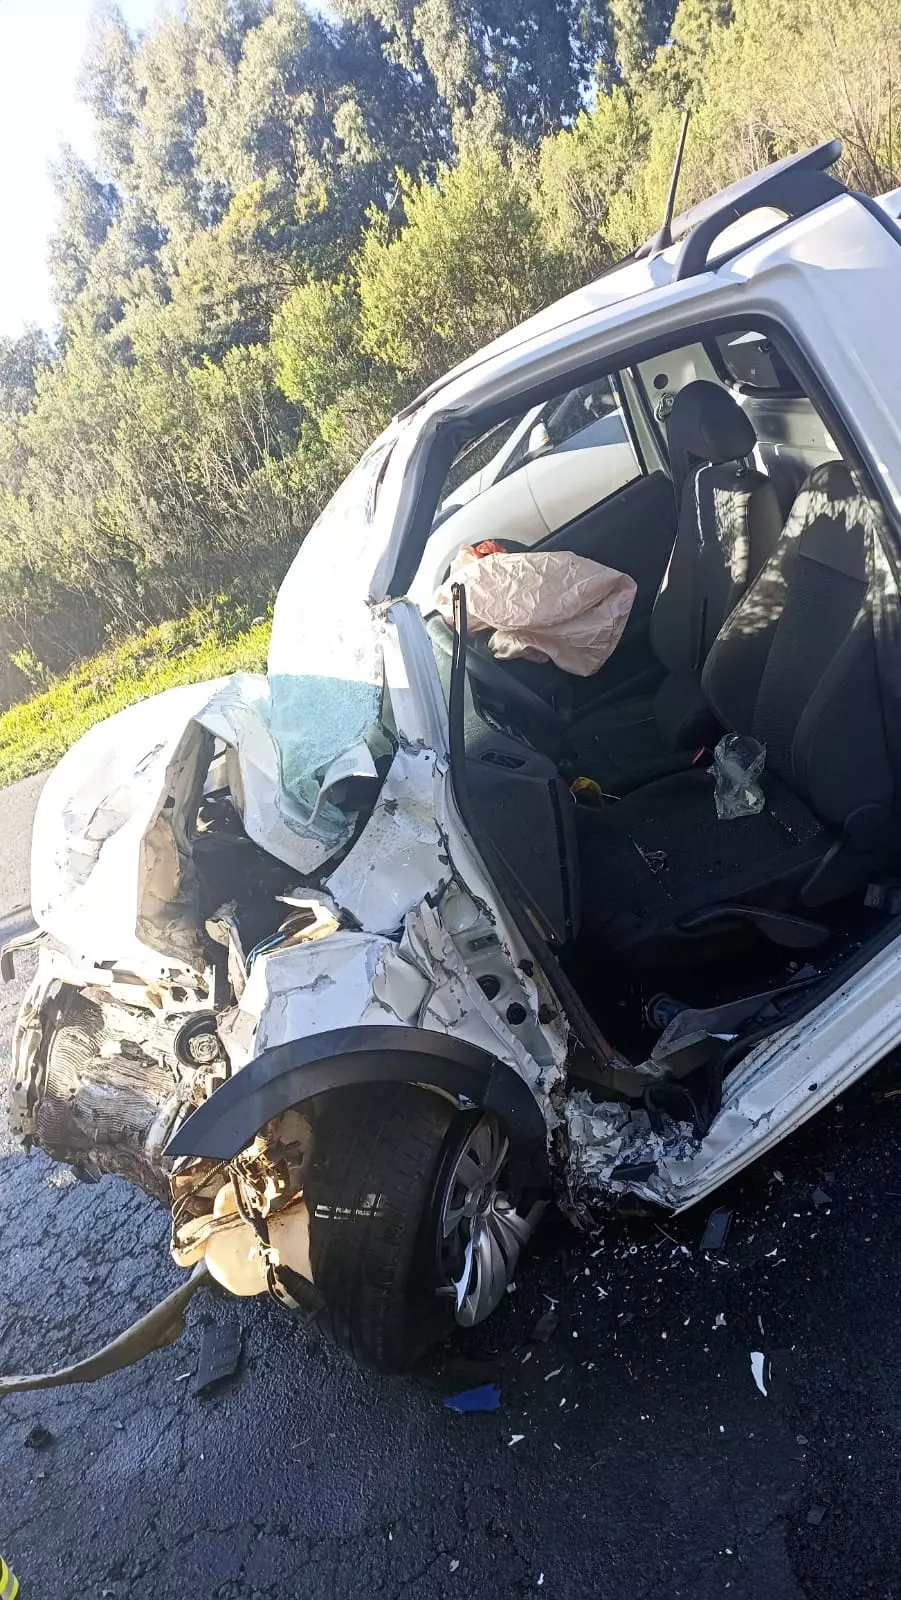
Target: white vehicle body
{"points": [[417, 915]]}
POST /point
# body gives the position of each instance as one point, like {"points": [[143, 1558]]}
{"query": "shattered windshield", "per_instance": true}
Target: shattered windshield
{"points": [[325, 659]]}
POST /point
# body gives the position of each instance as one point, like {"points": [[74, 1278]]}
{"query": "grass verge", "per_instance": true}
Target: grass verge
{"points": [[205, 644]]}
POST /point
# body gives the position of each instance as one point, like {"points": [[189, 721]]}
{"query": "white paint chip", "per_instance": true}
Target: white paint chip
{"points": [[757, 1365]]}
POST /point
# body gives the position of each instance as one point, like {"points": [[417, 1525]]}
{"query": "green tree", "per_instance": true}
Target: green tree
{"points": [[583, 172], [639, 28], [517, 66], [87, 210], [469, 262]]}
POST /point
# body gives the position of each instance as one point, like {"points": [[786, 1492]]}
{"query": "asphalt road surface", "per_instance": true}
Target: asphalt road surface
{"points": [[650, 1465]]}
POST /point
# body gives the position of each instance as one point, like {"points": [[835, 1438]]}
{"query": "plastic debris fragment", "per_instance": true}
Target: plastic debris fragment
{"points": [[486, 1397], [757, 1366], [544, 1327], [716, 1229], [738, 761], [39, 1438], [220, 1353]]}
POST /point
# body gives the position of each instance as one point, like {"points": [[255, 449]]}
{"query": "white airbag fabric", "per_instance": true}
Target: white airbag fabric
{"points": [[542, 605]]}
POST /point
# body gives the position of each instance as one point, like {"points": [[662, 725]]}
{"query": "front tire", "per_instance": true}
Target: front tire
{"points": [[402, 1191], [376, 1150]]}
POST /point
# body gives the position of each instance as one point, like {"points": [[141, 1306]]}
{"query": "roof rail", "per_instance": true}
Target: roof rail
{"points": [[796, 185]]}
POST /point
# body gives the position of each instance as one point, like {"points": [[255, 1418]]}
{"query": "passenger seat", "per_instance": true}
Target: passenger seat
{"points": [[798, 666], [729, 523]]}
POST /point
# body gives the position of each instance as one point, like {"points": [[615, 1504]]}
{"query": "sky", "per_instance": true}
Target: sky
{"points": [[42, 43]]}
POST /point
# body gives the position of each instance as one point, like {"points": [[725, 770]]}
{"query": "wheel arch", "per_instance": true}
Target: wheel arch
{"points": [[286, 1075]]}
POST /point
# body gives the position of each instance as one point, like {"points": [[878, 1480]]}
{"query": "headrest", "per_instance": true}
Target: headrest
{"points": [[706, 424], [832, 520]]}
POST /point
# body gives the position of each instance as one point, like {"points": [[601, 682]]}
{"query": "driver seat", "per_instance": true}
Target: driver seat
{"points": [[729, 524]]}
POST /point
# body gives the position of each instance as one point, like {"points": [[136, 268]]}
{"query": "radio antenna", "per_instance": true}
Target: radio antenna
{"points": [[664, 236]]}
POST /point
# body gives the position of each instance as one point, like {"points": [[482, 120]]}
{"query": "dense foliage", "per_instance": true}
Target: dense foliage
{"points": [[295, 222]]}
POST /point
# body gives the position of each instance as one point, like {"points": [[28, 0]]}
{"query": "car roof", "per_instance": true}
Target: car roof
{"points": [[746, 212]]}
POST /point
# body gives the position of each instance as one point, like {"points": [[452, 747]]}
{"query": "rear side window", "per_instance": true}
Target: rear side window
{"points": [[752, 361]]}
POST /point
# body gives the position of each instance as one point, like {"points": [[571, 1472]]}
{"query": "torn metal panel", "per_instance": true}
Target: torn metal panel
{"points": [[346, 979], [609, 1135], [112, 875], [457, 1004], [788, 1078], [89, 867], [780, 1084], [397, 859]]}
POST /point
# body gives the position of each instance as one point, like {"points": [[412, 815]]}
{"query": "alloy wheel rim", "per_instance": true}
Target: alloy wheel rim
{"points": [[480, 1232]]}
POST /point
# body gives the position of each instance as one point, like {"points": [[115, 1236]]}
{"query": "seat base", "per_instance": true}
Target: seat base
{"points": [[626, 745], [652, 859]]}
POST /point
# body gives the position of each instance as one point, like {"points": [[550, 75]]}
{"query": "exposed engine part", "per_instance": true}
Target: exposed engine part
{"points": [[197, 1042], [247, 1219], [236, 1256], [110, 1090], [223, 929]]}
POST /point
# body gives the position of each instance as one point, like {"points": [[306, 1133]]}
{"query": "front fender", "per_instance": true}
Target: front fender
{"points": [[287, 1074]]}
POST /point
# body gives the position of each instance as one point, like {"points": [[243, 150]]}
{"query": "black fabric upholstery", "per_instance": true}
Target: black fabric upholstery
{"points": [[660, 854], [729, 525], [682, 717], [705, 424], [796, 665]]}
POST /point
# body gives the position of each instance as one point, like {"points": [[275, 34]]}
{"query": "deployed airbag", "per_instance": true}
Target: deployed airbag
{"points": [[545, 605]]}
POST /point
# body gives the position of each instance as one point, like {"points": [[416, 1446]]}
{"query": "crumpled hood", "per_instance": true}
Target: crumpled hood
{"points": [[110, 865]]}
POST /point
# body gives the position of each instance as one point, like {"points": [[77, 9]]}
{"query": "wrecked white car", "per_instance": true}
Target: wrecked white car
{"points": [[357, 964]]}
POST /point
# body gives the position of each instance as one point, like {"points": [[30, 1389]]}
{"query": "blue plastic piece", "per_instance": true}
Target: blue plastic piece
{"points": [[487, 1397]]}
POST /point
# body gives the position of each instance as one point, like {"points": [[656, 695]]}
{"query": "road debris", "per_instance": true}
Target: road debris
{"points": [[545, 1327], [454, 1566], [487, 1397], [220, 1353], [159, 1327], [821, 1198], [719, 1320], [515, 1438], [815, 1515], [716, 1229], [40, 1438], [758, 1360]]}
